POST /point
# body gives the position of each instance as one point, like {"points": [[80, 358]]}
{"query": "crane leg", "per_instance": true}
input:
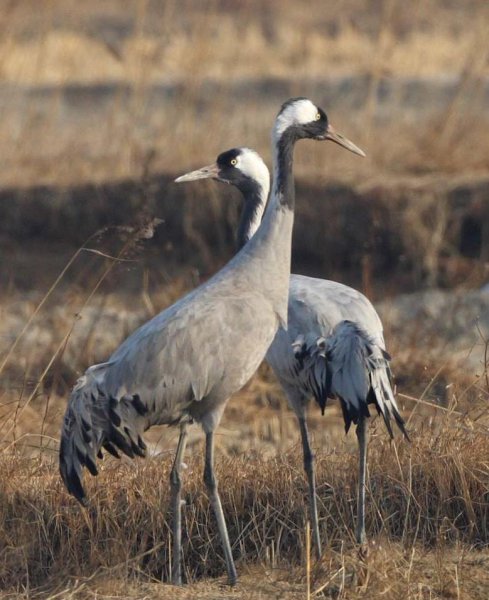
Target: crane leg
{"points": [[176, 505], [309, 469], [361, 432], [211, 484]]}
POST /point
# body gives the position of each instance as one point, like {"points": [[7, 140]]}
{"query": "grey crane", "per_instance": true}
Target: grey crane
{"points": [[333, 346], [184, 364]]}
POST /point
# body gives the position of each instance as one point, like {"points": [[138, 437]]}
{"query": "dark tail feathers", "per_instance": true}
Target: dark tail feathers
{"points": [[94, 421], [350, 365]]}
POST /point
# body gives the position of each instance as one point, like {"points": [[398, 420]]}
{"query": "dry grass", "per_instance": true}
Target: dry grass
{"points": [[152, 41], [425, 499], [58, 56], [96, 93], [225, 69]]}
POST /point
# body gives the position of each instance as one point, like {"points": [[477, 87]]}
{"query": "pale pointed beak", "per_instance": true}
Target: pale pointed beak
{"points": [[337, 138], [211, 171]]}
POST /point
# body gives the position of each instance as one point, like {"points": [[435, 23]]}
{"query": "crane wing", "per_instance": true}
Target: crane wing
{"points": [[315, 307], [334, 346], [195, 350]]}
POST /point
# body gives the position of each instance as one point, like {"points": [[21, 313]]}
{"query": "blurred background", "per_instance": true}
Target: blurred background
{"points": [[103, 103]]}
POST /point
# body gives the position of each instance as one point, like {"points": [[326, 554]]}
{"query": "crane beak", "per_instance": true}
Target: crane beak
{"points": [[211, 171], [337, 138]]}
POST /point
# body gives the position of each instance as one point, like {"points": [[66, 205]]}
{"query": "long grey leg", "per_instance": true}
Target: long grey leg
{"points": [[309, 469], [176, 506], [211, 483], [362, 473]]}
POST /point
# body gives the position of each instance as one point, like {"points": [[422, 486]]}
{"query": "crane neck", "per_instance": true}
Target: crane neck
{"points": [[255, 195], [282, 199], [283, 190], [269, 249], [255, 190]]}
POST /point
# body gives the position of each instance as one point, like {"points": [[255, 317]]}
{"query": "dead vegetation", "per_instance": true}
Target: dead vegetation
{"points": [[149, 41], [426, 498], [90, 92]]}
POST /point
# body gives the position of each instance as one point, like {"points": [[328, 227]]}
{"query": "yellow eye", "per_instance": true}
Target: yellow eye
{"points": [[318, 116], [234, 162]]}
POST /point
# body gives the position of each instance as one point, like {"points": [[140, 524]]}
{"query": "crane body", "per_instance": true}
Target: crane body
{"points": [[185, 363]]}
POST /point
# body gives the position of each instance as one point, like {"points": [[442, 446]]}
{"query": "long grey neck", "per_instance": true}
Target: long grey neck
{"points": [[269, 249], [273, 239], [280, 208], [278, 216]]}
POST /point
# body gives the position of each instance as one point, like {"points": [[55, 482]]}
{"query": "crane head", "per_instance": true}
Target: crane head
{"points": [[301, 118], [242, 167]]}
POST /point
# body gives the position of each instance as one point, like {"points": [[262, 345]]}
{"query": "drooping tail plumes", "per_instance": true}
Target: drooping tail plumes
{"points": [[348, 364], [95, 420]]}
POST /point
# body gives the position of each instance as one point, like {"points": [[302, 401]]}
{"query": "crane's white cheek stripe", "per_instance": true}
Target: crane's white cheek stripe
{"points": [[255, 221], [251, 164]]}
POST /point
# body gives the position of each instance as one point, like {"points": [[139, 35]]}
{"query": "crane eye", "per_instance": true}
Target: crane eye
{"points": [[234, 162], [318, 116]]}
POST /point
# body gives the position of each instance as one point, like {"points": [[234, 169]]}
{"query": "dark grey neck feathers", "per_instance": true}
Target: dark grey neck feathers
{"points": [[284, 184], [252, 210]]}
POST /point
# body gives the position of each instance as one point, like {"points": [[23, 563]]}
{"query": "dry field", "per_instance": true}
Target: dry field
{"points": [[428, 500], [102, 103], [94, 91]]}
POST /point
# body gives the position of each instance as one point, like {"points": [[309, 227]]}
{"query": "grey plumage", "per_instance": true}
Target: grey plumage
{"points": [[336, 336], [181, 366], [333, 345], [186, 362], [334, 348]]}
